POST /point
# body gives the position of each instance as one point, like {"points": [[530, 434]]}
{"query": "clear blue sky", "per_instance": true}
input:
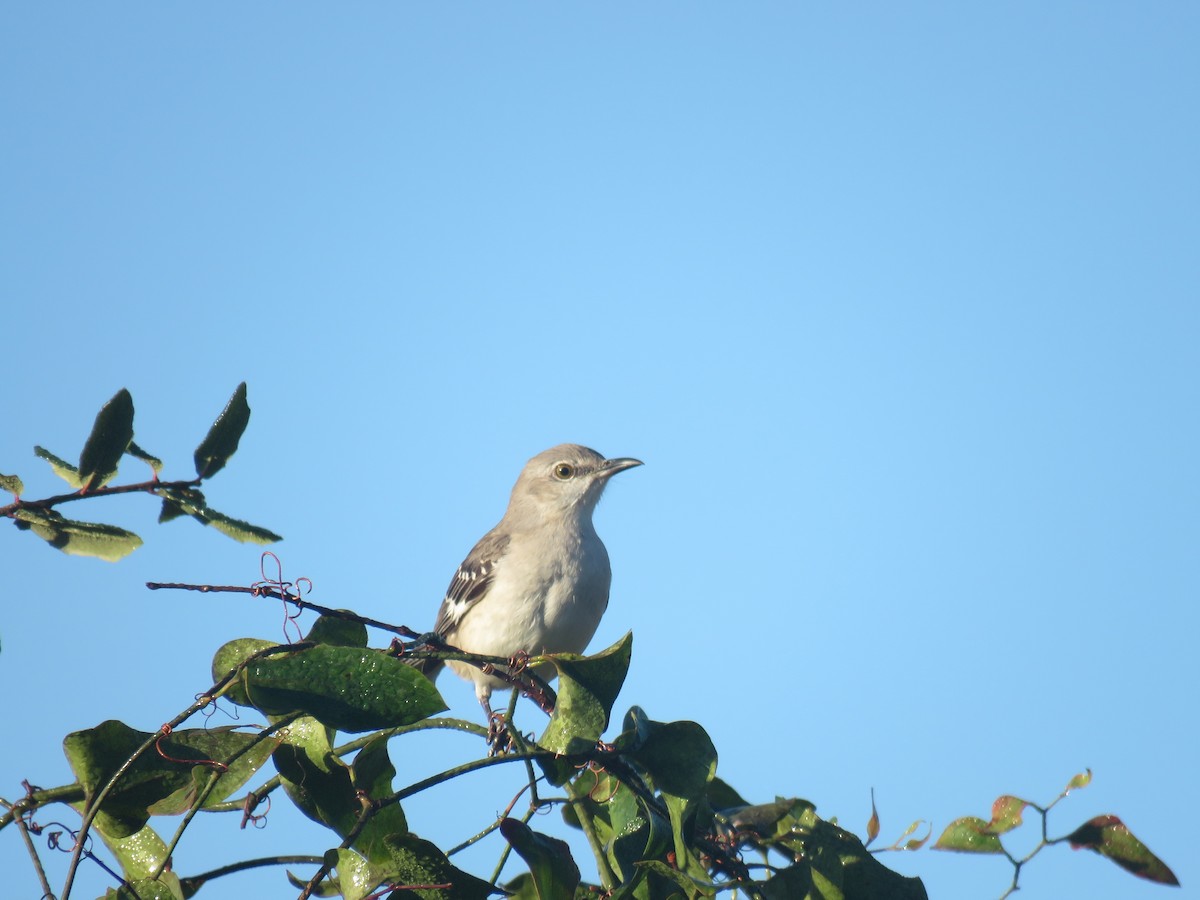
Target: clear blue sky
{"points": [[900, 305]]}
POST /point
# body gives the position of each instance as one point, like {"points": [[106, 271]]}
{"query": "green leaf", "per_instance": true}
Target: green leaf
{"points": [[347, 688], [161, 780], [139, 854], [356, 877], [337, 631], [418, 862], [553, 869], [1082, 780], [165, 888], [12, 484], [1110, 837], [107, 542], [678, 757], [189, 501], [61, 467], [240, 531], [1006, 814], [371, 773], [692, 888], [222, 439], [588, 687], [110, 437], [231, 655], [138, 453], [314, 778], [969, 834]]}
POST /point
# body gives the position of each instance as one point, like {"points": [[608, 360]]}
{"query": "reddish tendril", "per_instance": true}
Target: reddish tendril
{"points": [[287, 591], [164, 732]]}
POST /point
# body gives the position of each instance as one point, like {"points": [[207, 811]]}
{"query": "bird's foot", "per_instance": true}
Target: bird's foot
{"points": [[499, 738]]}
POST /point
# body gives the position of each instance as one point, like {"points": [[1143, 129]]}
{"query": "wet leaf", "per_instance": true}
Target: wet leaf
{"points": [[12, 484], [222, 439], [1109, 836], [110, 437], [553, 869], [138, 453], [106, 542], [347, 688], [61, 468], [969, 835]]}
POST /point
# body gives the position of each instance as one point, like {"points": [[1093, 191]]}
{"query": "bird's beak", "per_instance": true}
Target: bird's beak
{"points": [[611, 467]]}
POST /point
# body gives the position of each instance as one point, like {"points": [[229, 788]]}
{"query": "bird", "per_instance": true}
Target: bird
{"points": [[538, 582]]}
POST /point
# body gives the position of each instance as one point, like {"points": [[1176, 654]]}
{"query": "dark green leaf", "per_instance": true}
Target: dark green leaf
{"points": [[678, 757], [316, 780], [138, 453], [61, 467], [12, 484], [692, 888], [337, 631], [161, 780], [347, 688], [108, 441], [222, 439], [588, 687], [107, 542], [189, 501], [1109, 837], [555, 874], [418, 862], [371, 773]]}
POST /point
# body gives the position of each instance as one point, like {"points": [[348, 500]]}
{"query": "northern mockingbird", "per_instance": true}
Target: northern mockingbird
{"points": [[537, 582]]}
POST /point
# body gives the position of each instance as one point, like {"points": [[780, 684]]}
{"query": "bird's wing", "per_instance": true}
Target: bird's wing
{"points": [[471, 581]]}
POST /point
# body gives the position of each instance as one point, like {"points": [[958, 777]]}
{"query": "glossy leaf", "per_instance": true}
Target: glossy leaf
{"points": [[106, 542], [347, 688], [165, 888], [228, 657], [1108, 836], [315, 779], [371, 774], [692, 888], [678, 757], [161, 780], [12, 484], [418, 862], [969, 835], [62, 468], [138, 453], [588, 687], [337, 631], [1006, 814], [139, 854], [222, 439], [110, 437], [553, 869]]}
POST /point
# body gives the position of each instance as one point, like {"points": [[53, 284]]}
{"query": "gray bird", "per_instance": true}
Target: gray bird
{"points": [[538, 582]]}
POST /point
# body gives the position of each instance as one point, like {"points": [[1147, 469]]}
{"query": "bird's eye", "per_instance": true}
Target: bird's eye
{"points": [[563, 471]]}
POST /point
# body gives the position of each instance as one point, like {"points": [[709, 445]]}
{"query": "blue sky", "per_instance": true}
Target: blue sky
{"points": [[899, 306]]}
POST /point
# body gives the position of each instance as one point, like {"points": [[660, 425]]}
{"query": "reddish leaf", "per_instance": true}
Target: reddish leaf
{"points": [[873, 822], [1006, 814], [1109, 837]]}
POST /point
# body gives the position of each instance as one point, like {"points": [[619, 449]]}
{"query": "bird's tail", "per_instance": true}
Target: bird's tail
{"points": [[427, 667]]}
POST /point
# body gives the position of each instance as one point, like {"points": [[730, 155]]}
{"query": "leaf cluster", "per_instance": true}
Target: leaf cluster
{"points": [[111, 439]]}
